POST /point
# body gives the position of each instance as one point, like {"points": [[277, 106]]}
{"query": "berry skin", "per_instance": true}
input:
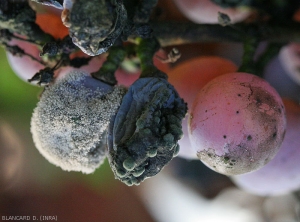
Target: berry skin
{"points": [[52, 24], [69, 124], [281, 174], [24, 67], [189, 78], [237, 123]]}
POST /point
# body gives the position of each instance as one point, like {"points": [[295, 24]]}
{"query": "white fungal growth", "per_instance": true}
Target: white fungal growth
{"points": [[70, 121]]}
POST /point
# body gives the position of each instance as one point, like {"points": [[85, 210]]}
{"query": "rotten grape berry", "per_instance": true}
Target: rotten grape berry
{"points": [[144, 133], [69, 124]]}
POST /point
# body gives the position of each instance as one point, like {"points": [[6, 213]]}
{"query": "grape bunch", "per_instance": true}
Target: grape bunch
{"points": [[105, 97]]}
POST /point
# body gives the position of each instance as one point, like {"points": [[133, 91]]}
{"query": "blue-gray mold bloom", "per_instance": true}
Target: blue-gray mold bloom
{"points": [[142, 137]]}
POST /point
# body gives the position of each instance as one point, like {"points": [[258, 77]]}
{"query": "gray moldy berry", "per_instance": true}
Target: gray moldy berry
{"points": [[144, 133], [69, 124], [94, 25]]}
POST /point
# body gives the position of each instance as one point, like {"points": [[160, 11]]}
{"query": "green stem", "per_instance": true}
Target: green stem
{"points": [[145, 51], [248, 64], [107, 71]]}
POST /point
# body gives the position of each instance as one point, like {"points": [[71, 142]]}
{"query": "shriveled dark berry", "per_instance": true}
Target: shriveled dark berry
{"points": [[143, 136]]}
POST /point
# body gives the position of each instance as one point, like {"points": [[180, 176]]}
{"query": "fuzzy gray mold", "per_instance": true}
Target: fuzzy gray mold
{"points": [[143, 135], [69, 124]]}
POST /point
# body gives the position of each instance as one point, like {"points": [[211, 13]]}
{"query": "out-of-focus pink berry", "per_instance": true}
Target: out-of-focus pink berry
{"points": [[205, 11], [126, 78]]}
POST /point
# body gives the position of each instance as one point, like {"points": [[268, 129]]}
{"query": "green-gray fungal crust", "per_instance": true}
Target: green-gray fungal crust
{"points": [[94, 25], [143, 135]]}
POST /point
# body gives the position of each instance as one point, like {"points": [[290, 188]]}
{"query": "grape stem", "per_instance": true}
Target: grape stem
{"points": [[248, 64], [171, 33], [106, 73], [145, 51]]}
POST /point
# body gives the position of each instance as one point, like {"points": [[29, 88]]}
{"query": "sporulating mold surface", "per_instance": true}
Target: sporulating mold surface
{"points": [[143, 136]]}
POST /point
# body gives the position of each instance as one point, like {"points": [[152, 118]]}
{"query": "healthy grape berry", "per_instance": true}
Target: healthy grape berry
{"points": [[189, 78], [237, 123]]}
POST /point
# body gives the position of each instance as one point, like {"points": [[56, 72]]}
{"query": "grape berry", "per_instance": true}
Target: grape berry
{"points": [[237, 123]]}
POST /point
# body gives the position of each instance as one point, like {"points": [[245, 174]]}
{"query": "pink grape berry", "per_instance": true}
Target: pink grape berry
{"points": [[281, 174], [24, 67], [237, 123], [127, 78], [205, 11], [189, 78]]}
